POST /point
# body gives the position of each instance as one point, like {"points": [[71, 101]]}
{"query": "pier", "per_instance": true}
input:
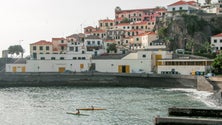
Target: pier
{"points": [[190, 116], [175, 111], [185, 121]]}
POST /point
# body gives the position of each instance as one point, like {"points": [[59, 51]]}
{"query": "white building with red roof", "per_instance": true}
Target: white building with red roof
{"points": [[216, 42], [182, 6]]}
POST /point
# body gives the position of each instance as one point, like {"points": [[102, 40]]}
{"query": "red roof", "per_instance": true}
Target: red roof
{"points": [[123, 24], [109, 41], [107, 20], [181, 2], [42, 42], [218, 35], [62, 44], [99, 31], [89, 27], [140, 23], [58, 39]]}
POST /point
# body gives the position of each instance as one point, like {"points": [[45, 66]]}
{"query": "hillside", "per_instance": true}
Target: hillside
{"points": [[189, 32]]}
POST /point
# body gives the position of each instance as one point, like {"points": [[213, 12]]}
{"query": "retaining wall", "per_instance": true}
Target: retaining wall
{"points": [[97, 79]]}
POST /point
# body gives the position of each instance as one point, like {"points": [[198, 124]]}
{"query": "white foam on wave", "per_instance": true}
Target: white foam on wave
{"points": [[203, 96]]}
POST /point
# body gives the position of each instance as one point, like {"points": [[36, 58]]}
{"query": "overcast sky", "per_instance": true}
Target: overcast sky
{"points": [[28, 21]]}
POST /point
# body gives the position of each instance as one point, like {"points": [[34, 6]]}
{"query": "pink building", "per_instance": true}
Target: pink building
{"points": [[135, 15]]}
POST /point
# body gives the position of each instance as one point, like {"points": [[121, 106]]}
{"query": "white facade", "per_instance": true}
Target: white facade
{"points": [[133, 63], [94, 45], [184, 67], [216, 42]]}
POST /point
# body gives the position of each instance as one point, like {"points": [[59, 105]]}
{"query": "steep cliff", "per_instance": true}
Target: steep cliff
{"points": [[189, 32]]}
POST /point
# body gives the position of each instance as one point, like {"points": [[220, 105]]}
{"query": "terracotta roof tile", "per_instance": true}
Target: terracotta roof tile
{"points": [[58, 39], [181, 2], [42, 42], [123, 24], [107, 20], [89, 27], [140, 23], [218, 35], [99, 31]]}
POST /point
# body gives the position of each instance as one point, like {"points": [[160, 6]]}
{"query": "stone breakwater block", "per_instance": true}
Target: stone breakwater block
{"points": [[185, 121], [179, 111]]}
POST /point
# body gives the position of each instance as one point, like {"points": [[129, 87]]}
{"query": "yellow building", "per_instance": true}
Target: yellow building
{"points": [[40, 47]]}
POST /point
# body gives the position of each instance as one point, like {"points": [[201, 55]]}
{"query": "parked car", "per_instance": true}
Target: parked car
{"points": [[209, 75]]}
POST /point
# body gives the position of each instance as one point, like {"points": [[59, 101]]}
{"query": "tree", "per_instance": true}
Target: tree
{"points": [[217, 64], [190, 46], [112, 47], [16, 49], [125, 20]]}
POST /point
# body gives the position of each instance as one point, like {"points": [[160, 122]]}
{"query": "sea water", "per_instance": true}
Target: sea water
{"points": [[124, 106]]}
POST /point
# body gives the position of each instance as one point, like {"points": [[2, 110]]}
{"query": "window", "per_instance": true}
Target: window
{"points": [[173, 9], [62, 58], [62, 41], [106, 24], [83, 58], [98, 42], [41, 48], [137, 39], [93, 42], [215, 41], [74, 58], [76, 50], [83, 52], [101, 24], [71, 48], [144, 56], [52, 58], [42, 58], [221, 41], [79, 58], [34, 48], [126, 41], [111, 24], [181, 8], [47, 47], [88, 42], [220, 48]]}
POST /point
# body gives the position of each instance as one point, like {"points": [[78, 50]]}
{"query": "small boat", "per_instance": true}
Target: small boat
{"points": [[73, 113], [91, 109]]}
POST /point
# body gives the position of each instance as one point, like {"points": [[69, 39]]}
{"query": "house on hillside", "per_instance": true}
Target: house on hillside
{"points": [[180, 7], [216, 42], [94, 45], [39, 48]]}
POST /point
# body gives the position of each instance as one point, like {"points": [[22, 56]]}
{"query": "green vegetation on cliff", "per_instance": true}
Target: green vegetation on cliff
{"points": [[190, 32]]}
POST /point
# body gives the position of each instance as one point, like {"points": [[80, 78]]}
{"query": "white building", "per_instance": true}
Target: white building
{"points": [[216, 42], [132, 63], [184, 66], [182, 7], [94, 45]]}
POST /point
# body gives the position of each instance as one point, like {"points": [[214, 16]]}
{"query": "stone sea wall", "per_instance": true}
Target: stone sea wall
{"points": [[90, 79]]}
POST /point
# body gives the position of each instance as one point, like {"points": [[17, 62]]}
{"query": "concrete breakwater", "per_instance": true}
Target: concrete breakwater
{"points": [[97, 80]]}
